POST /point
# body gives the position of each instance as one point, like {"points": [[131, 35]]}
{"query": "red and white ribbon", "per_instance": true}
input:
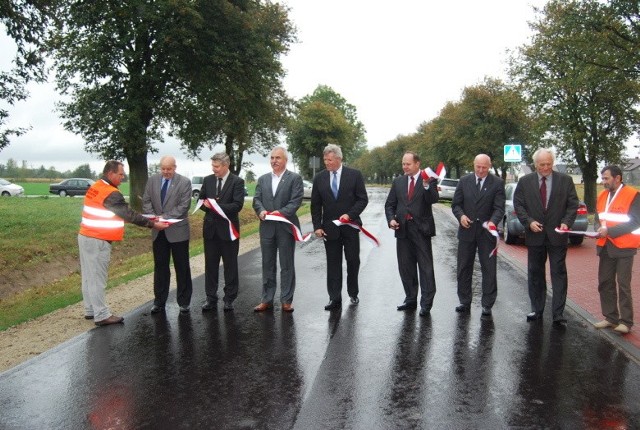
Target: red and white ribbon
{"points": [[297, 234], [591, 234], [494, 232], [368, 235], [440, 172], [217, 209]]}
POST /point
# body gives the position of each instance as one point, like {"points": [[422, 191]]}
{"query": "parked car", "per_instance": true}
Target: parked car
{"points": [[196, 185], [71, 187], [307, 189], [10, 189], [513, 231], [446, 188]]}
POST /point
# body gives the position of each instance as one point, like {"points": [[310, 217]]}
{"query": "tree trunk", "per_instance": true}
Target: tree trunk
{"points": [[589, 179], [138, 175]]}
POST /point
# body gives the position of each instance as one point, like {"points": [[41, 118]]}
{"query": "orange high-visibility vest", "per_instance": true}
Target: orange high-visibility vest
{"points": [[618, 213], [97, 221]]}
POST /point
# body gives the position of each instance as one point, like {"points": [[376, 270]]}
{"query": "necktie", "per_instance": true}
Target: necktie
{"points": [[163, 191], [219, 187], [412, 187], [334, 184], [479, 184], [543, 192]]}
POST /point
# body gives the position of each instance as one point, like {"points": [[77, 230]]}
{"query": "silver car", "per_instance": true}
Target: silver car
{"points": [[307, 189], [446, 188], [10, 189]]}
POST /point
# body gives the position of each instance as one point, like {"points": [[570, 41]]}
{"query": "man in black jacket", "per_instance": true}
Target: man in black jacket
{"points": [[228, 191], [544, 200], [339, 193], [408, 211], [479, 198]]}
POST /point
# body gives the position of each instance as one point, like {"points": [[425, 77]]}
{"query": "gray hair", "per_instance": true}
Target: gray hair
{"points": [[331, 148], [221, 157], [541, 151], [283, 149]]}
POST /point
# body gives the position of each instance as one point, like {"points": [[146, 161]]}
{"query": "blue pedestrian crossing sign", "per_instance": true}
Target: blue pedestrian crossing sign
{"points": [[513, 153]]}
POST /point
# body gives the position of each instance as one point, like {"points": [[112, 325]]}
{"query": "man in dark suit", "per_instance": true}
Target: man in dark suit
{"points": [[543, 201], [479, 198], [408, 211], [168, 195], [278, 193], [339, 193], [228, 191]]}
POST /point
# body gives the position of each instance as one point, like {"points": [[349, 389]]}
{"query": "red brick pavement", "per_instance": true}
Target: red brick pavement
{"points": [[582, 266]]}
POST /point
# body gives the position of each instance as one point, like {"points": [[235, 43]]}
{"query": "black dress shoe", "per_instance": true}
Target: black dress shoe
{"points": [[486, 312], [208, 306], [465, 309], [408, 306], [560, 323], [156, 309], [354, 300], [333, 304], [228, 306], [184, 309], [533, 316], [425, 312]]}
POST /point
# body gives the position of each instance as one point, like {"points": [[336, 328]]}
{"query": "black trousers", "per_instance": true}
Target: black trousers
{"points": [[415, 264], [227, 250], [537, 281], [349, 243], [163, 250]]}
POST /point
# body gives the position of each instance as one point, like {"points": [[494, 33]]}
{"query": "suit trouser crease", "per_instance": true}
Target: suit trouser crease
{"points": [[616, 301], [281, 247], [488, 266], [163, 251], [415, 263], [536, 262], [215, 250], [349, 243], [95, 255]]}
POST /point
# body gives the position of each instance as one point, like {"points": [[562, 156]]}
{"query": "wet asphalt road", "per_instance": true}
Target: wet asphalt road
{"points": [[364, 367]]}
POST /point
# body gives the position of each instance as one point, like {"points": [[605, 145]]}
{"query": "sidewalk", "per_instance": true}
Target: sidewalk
{"points": [[583, 297]]}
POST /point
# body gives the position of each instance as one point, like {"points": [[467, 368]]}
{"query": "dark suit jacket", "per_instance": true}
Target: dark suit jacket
{"points": [[479, 206], [176, 205], [287, 200], [352, 199], [398, 206], [231, 200], [561, 209]]}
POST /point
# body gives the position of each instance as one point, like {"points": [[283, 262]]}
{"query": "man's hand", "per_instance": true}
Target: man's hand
{"points": [[465, 222], [394, 225], [320, 233], [160, 225], [536, 227]]}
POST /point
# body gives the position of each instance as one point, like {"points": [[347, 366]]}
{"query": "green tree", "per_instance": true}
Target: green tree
{"points": [[26, 22], [316, 125], [250, 176], [326, 94], [83, 171], [133, 68], [586, 110]]}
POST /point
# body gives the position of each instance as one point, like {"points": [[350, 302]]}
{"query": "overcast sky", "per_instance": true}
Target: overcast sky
{"points": [[397, 62]]}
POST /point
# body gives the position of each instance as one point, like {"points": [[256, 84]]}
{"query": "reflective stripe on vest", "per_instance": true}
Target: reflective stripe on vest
{"points": [[97, 221], [618, 213]]}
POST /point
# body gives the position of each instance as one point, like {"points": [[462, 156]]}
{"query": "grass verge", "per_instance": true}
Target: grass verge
{"points": [[35, 302]]}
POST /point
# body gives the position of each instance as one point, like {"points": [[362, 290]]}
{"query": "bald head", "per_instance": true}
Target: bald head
{"points": [[481, 165], [168, 166]]}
